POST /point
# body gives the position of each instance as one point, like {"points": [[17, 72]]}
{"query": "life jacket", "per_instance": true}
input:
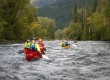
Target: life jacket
{"points": [[27, 44], [33, 47], [62, 44], [40, 47], [66, 44]]}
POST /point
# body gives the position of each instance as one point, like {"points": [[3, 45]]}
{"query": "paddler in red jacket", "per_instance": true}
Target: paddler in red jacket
{"points": [[40, 46]]}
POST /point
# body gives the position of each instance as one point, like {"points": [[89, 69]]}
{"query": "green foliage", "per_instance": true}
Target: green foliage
{"points": [[73, 31], [18, 21], [2, 23], [59, 34], [100, 21], [61, 11], [16, 16], [97, 25], [47, 27]]}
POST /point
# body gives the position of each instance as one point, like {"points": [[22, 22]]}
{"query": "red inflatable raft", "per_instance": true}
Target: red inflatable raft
{"points": [[30, 54]]}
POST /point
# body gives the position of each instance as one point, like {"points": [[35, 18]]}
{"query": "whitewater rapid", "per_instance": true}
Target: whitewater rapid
{"points": [[90, 60]]}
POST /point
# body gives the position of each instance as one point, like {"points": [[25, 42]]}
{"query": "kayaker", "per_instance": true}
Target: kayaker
{"points": [[66, 43], [32, 45], [27, 44], [62, 43], [40, 46]]}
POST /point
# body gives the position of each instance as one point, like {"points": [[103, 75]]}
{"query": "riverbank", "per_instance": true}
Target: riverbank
{"points": [[10, 41], [13, 41]]}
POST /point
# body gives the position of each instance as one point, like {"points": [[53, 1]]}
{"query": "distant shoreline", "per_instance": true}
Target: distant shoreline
{"points": [[10, 41], [13, 41]]}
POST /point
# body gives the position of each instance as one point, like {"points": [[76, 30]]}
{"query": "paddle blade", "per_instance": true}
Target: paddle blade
{"points": [[44, 56], [21, 51], [74, 45]]}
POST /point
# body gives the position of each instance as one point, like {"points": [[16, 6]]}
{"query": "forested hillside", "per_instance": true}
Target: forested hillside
{"points": [[61, 11], [43, 3], [88, 23], [19, 21], [62, 19]]}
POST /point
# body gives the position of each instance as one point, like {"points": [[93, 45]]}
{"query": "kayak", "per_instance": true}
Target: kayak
{"points": [[66, 47], [30, 54]]}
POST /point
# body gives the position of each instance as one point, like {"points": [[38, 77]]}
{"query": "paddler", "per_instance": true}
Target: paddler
{"points": [[66, 43], [40, 46], [62, 43], [27, 44], [32, 45]]}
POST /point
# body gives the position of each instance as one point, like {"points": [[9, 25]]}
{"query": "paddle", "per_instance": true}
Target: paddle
{"points": [[74, 45], [45, 57], [21, 51]]}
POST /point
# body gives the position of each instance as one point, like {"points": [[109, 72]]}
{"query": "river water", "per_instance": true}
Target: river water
{"points": [[90, 60]]}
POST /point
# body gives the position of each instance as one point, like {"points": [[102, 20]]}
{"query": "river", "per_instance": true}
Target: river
{"points": [[90, 60]]}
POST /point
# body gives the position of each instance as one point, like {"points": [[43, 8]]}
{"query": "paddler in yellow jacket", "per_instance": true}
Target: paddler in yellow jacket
{"points": [[27, 44], [40, 46], [62, 43]]}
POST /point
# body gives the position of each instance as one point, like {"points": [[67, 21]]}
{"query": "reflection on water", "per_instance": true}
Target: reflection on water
{"points": [[89, 61]]}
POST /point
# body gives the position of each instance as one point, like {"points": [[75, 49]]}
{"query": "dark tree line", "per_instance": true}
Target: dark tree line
{"points": [[90, 22], [18, 21]]}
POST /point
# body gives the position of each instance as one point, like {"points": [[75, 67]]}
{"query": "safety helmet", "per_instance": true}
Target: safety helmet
{"points": [[40, 40], [28, 40], [33, 38]]}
